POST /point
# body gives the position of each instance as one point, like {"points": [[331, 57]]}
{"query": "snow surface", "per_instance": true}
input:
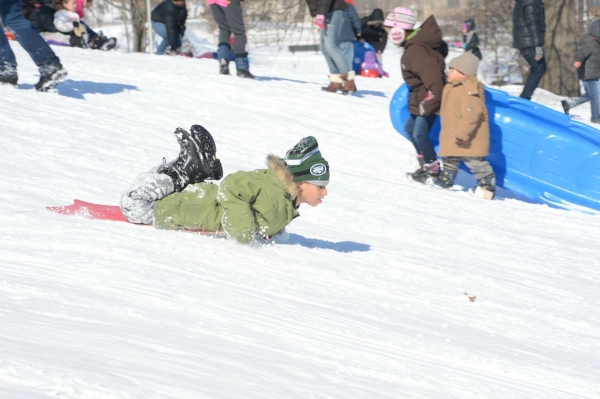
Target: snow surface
{"points": [[366, 299]]}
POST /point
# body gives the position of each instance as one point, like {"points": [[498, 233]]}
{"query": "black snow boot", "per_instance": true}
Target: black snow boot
{"points": [[486, 188], [50, 75], [244, 74], [197, 159], [445, 180], [224, 67], [9, 79], [566, 106], [428, 170]]}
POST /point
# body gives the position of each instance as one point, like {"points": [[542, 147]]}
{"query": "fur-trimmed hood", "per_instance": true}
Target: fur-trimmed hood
{"points": [[279, 168]]}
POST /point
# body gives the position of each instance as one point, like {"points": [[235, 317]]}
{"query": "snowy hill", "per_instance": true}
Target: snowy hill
{"points": [[366, 299]]}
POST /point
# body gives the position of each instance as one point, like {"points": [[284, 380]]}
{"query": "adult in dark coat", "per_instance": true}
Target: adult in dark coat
{"points": [[529, 29], [168, 22], [373, 31]]}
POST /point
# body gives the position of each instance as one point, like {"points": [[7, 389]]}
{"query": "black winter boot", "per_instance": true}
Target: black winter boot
{"points": [[197, 159], [486, 187], [445, 180], [244, 74], [428, 170], [9, 79], [50, 75], [224, 66]]}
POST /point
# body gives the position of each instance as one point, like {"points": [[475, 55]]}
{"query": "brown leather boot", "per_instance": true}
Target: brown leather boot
{"points": [[335, 84], [349, 85]]}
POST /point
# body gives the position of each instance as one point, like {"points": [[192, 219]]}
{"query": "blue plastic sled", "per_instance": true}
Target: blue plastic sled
{"points": [[535, 151]]}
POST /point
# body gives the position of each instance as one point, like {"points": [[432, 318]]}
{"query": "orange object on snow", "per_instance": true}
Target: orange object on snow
{"points": [[369, 73]]}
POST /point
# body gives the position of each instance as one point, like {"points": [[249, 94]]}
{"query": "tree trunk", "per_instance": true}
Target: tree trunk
{"points": [[138, 24], [560, 48]]}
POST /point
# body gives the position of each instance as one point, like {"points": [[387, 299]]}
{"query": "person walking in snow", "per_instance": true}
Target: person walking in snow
{"points": [[470, 40], [51, 70], [373, 31], [465, 131], [529, 30], [168, 22], [330, 16], [229, 17], [587, 62], [246, 205], [423, 71]]}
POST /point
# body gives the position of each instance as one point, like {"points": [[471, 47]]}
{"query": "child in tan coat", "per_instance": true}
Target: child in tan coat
{"points": [[465, 132]]}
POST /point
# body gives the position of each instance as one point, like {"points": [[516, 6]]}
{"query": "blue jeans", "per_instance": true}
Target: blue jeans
{"points": [[39, 51], [417, 129], [592, 93], [536, 71], [161, 30], [347, 49], [329, 42]]}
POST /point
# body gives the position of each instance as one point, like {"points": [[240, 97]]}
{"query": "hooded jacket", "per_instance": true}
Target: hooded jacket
{"points": [[423, 68], [588, 54], [464, 115], [173, 17], [529, 24], [324, 7], [471, 39], [376, 36], [244, 205]]}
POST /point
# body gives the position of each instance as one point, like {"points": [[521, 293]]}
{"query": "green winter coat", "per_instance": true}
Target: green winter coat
{"points": [[244, 205]]}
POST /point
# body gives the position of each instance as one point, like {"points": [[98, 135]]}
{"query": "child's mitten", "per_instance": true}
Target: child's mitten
{"points": [[320, 21]]}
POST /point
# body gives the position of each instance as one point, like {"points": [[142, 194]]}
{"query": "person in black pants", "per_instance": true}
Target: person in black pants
{"points": [[529, 29], [229, 17]]}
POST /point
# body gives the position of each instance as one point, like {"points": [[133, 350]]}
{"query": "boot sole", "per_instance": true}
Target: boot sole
{"points": [[209, 150]]}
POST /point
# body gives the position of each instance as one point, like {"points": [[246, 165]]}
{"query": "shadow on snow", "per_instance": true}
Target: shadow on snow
{"points": [[79, 88], [342, 246]]}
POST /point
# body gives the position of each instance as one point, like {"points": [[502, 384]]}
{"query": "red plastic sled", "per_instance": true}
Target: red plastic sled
{"points": [[107, 212], [90, 211]]}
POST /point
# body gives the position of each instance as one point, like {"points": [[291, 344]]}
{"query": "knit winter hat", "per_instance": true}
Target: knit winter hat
{"points": [[401, 18], [306, 163], [466, 64]]}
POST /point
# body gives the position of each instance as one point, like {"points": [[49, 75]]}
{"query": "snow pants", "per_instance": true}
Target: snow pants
{"points": [[39, 51], [230, 20], [137, 203], [479, 166]]}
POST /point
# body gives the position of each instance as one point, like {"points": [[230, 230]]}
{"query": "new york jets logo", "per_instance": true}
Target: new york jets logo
{"points": [[318, 169]]}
